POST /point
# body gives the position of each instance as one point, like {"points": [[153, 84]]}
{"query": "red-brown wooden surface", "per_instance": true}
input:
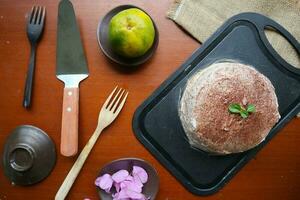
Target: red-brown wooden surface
{"points": [[273, 174]]}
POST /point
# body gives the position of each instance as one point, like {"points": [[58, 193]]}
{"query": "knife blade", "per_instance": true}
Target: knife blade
{"points": [[71, 68]]}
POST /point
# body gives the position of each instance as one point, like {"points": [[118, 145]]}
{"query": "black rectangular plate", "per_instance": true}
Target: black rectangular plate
{"points": [[156, 123]]}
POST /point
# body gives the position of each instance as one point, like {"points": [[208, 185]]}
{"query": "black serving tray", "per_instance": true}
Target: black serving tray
{"points": [[156, 123]]}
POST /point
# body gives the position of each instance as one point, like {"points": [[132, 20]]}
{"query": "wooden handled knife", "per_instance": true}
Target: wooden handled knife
{"points": [[71, 68]]}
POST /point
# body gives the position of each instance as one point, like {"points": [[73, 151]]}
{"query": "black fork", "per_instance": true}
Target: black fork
{"points": [[35, 26]]}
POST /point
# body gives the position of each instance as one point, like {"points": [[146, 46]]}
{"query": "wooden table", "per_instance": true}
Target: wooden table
{"points": [[273, 174]]}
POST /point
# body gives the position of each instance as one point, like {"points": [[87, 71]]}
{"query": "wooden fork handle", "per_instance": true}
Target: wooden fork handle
{"points": [[69, 129], [73, 173]]}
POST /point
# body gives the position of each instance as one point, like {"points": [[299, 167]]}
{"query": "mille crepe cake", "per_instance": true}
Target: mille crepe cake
{"points": [[204, 108]]}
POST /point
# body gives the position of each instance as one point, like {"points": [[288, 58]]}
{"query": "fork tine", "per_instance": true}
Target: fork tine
{"points": [[114, 99], [31, 14], [43, 15], [109, 97], [35, 14], [39, 15], [36, 10], [117, 101], [121, 104]]}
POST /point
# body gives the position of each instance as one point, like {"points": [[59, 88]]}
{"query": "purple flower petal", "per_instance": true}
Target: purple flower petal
{"points": [[136, 186], [134, 195], [128, 187], [141, 173], [137, 181], [122, 195], [104, 182], [97, 181], [120, 175], [144, 198], [124, 184], [129, 178], [117, 186], [131, 185]]}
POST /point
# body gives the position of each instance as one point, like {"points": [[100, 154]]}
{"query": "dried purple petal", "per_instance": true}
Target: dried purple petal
{"points": [[97, 181], [128, 187], [144, 198], [140, 173], [120, 175], [135, 195], [122, 195], [129, 178], [131, 185], [135, 186], [104, 182], [123, 184], [137, 181], [117, 186]]}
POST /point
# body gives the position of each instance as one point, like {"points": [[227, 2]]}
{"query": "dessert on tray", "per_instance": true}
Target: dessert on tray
{"points": [[228, 108]]}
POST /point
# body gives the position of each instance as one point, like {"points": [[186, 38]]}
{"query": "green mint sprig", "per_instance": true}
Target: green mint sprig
{"points": [[237, 108]]}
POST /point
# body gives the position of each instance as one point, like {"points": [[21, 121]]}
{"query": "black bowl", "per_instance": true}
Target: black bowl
{"points": [[103, 41], [29, 155], [150, 188]]}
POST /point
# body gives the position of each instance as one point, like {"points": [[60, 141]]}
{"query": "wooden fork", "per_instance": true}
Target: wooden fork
{"points": [[108, 113]]}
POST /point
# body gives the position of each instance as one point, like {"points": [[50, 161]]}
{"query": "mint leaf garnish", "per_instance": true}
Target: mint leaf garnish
{"points": [[237, 108], [251, 108], [234, 108]]}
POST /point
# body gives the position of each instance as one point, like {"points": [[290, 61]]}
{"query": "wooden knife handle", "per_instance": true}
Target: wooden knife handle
{"points": [[69, 129]]}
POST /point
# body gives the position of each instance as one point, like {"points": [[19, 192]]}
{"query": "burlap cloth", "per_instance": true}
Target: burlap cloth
{"points": [[202, 17]]}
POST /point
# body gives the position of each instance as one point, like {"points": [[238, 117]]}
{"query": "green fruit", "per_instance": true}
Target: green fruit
{"points": [[131, 33]]}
